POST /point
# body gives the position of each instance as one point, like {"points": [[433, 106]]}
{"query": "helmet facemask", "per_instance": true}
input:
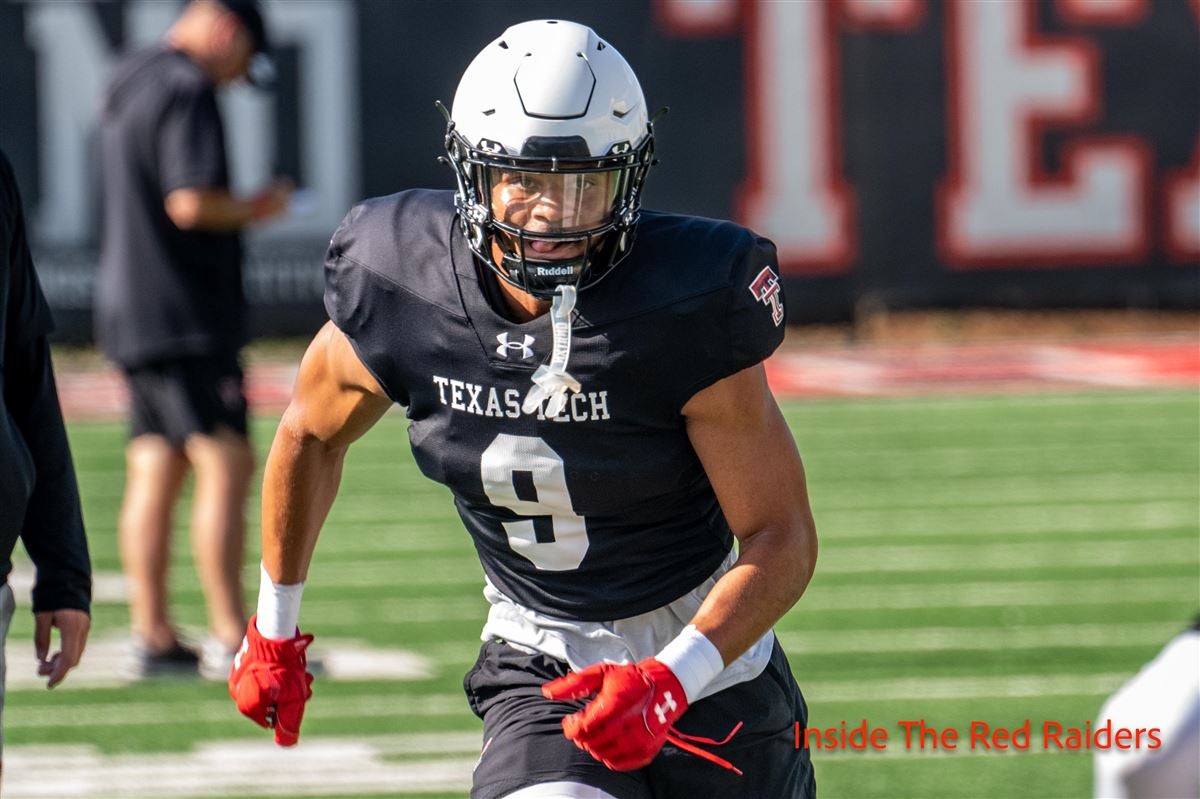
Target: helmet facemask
{"points": [[554, 214]]}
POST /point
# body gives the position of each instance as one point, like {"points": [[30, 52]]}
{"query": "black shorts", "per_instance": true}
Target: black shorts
{"points": [[523, 741], [178, 398]]}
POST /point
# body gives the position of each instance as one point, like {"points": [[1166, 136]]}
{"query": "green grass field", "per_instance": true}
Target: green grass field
{"points": [[993, 559]]}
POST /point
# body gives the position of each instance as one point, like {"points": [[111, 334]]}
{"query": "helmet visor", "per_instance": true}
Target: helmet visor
{"points": [[553, 203]]}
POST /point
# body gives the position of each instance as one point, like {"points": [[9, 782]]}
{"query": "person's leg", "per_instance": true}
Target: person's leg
{"points": [[224, 464], [155, 470]]}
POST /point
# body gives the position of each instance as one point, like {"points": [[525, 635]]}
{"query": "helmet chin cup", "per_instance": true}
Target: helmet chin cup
{"points": [[541, 277]]}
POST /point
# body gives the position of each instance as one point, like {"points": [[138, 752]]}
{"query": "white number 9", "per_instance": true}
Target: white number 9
{"points": [[527, 460]]}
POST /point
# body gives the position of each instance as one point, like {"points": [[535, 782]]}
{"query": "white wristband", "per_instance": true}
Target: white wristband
{"points": [[278, 607], [693, 659]]}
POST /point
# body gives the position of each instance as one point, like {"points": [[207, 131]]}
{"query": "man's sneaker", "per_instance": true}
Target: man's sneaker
{"points": [[216, 660], [177, 661]]}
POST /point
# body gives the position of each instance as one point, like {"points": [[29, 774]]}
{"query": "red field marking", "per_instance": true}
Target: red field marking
{"points": [[825, 371], [1014, 367], [100, 393]]}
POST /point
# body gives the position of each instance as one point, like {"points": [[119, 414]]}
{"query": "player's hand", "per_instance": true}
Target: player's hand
{"points": [[73, 626], [270, 682], [627, 723]]}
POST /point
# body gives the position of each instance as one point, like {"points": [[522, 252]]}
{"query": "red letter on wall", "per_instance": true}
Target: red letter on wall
{"points": [[793, 191], [999, 205], [1182, 202]]}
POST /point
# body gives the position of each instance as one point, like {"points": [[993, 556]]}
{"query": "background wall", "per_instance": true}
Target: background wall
{"points": [[902, 153]]}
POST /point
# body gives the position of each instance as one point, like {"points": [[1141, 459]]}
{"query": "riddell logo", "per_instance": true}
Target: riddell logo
{"points": [[554, 271], [765, 289]]}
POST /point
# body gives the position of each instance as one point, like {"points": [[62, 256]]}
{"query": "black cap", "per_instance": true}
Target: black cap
{"points": [[262, 67], [250, 15]]}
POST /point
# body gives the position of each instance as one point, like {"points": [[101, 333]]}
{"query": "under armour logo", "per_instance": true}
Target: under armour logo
{"points": [[765, 289], [667, 704], [506, 345]]}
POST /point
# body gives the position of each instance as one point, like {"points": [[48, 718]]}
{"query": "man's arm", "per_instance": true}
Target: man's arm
{"points": [[192, 169], [218, 209], [335, 401], [53, 529], [740, 435]]}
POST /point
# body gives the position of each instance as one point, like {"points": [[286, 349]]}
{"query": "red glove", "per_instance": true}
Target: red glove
{"points": [[628, 721], [270, 682]]}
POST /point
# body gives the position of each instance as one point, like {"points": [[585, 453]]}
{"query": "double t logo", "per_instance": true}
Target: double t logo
{"points": [[765, 289]]}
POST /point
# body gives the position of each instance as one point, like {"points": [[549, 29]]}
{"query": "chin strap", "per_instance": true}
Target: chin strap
{"points": [[551, 383]]}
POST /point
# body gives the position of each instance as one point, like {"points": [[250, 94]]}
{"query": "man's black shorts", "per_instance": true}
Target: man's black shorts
{"points": [[523, 742], [185, 396]]}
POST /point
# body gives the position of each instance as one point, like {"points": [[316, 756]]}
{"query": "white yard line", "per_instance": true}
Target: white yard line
{"points": [[109, 659], [1025, 554], [1146, 551], [899, 596], [1034, 593], [174, 712], [320, 766], [935, 639]]}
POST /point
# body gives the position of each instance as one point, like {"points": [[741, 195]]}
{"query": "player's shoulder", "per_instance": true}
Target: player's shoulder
{"points": [[706, 251], [391, 234], [686, 232], [402, 239], [681, 260]]}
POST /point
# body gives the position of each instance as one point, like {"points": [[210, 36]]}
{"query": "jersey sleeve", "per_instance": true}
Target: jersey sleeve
{"points": [[741, 325], [191, 143], [365, 306]]}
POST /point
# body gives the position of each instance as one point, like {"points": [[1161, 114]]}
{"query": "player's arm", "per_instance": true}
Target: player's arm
{"points": [[741, 438], [335, 401], [738, 432]]}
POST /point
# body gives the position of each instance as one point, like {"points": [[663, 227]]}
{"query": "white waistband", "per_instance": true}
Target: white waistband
{"points": [[582, 643]]}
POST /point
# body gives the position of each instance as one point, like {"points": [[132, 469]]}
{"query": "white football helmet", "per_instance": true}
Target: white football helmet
{"points": [[550, 144]]}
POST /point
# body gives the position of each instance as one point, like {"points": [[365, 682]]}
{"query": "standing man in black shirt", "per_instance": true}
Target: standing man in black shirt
{"points": [[170, 311], [39, 500]]}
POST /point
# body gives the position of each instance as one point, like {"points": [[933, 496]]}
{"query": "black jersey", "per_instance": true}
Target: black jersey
{"points": [[164, 293], [603, 511]]}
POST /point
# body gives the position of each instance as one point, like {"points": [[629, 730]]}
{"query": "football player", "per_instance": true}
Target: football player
{"points": [[586, 377]]}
